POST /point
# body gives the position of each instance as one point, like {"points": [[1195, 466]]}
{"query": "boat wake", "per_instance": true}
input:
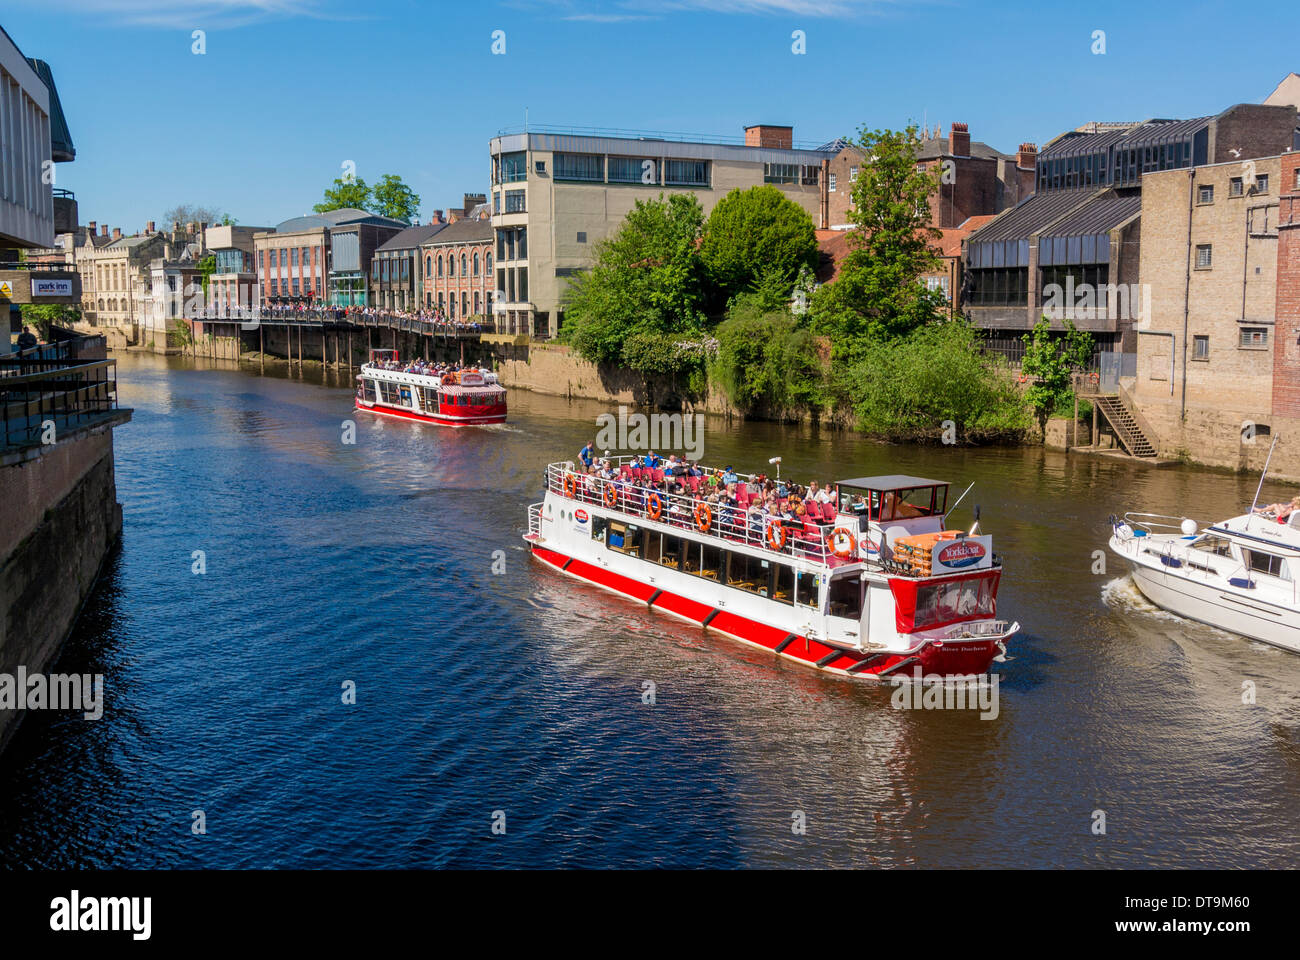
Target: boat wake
{"points": [[1123, 595]]}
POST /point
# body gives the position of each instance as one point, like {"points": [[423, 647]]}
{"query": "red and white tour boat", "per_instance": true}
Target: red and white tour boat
{"points": [[867, 586], [414, 392]]}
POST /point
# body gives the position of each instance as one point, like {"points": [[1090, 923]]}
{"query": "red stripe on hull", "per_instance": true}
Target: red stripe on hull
{"points": [[425, 418], [945, 659]]}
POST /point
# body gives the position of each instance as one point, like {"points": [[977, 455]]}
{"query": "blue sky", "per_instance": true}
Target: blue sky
{"points": [[288, 90]]}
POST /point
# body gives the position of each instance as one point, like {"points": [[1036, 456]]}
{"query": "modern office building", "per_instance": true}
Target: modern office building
{"points": [[1072, 249], [297, 261], [555, 194], [34, 138], [234, 281]]}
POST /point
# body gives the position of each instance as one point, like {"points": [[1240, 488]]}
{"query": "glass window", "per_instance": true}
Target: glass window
{"points": [[1234, 187], [630, 169], [579, 166], [806, 589], [1200, 348], [712, 561], [1204, 256], [514, 167], [844, 598], [1268, 564], [1261, 183], [783, 583], [1206, 193], [1210, 543], [780, 172], [1254, 337], [686, 172], [514, 201], [830, 183], [670, 553]]}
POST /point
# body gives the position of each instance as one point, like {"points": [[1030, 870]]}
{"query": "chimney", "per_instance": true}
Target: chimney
{"points": [[437, 217], [472, 200], [103, 230], [117, 233], [176, 226], [1028, 156], [94, 227], [148, 227], [959, 140], [768, 135], [189, 227]]}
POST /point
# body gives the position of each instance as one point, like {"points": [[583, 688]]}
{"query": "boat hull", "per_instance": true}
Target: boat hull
{"points": [[1210, 604], [426, 418], [947, 657]]}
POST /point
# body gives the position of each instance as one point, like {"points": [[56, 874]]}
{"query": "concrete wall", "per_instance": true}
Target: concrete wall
{"points": [[64, 505]]}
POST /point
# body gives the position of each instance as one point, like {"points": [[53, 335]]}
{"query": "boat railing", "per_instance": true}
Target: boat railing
{"points": [[535, 520], [1153, 521], [808, 540]]}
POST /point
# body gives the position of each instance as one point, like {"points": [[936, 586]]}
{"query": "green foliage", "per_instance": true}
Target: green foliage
{"points": [[878, 293], [347, 191], [207, 267], [766, 362], [395, 199], [906, 389], [1050, 361], [756, 235], [646, 282], [42, 315]]}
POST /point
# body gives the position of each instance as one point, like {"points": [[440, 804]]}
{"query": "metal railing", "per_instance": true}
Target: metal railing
{"points": [[62, 395], [802, 539]]}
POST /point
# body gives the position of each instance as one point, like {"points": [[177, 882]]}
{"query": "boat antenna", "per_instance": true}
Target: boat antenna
{"points": [[961, 498], [1267, 460]]}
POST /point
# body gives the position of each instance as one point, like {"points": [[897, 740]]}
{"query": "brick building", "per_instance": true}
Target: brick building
{"points": [[1286, 340], [1209, 257], [974, 178], [458, 269]]}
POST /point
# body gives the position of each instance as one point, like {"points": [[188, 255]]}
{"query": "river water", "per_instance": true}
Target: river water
{"points": [[517, 696]]}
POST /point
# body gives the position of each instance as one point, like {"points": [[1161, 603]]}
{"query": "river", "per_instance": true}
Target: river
{"points": [[516, 697]]}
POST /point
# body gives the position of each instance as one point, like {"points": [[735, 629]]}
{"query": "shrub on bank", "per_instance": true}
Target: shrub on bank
{"points": [[905, 389]]}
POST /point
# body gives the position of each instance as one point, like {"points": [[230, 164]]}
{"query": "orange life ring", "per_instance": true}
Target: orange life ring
{"points": [[830, 542], [703, 517], [776, 536], [654, 507], [1094, 378], [570, 485], [611, 494]]}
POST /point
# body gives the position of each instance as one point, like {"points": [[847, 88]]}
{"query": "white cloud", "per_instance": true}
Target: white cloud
{"points": [[196, 14]]}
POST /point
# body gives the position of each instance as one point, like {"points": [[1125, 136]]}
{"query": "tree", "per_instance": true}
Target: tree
{"points": [[1049, 361], [395, 199], [647, 279], [766, 362], [42, 315], [879, 293], [756, 234], [189, 213], [347, 192]]}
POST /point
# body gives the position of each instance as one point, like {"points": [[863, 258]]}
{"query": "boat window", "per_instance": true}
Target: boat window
{"points": [[845, 597], [903, 504], [1268, 564], [651, 543], [389, 394], [672, 552], [691, 556], [711, 566], [598, 525], [1219, 546], [944, 602], [805, 593], [783, 583], [752, 574]]}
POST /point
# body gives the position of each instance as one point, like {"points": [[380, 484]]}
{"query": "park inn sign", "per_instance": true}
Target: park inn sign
{"points": [[40, 286]]}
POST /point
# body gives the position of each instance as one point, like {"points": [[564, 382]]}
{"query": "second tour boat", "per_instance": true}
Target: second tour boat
{"points": [[459, 398]]}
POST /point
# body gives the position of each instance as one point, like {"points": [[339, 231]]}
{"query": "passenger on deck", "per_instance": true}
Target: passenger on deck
{"points": [[587, 454], [729, 476]]}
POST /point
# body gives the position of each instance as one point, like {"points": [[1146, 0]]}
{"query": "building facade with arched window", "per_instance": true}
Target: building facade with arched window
{"points": [[460, 286]]}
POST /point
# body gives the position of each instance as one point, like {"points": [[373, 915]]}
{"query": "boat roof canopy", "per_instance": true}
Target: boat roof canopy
{"points": [[892, 481]]}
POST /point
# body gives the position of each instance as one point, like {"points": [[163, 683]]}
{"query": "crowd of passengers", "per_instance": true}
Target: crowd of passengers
{"points": [[426, 368], [370, 315], [735, 503]]}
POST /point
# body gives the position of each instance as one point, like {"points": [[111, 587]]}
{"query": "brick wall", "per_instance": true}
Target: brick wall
{"points": [[1286, 350]]}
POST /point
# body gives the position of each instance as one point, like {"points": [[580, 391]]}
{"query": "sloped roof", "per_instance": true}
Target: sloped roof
{"points": [[412, 237], [462, 231], [335, 218]]}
